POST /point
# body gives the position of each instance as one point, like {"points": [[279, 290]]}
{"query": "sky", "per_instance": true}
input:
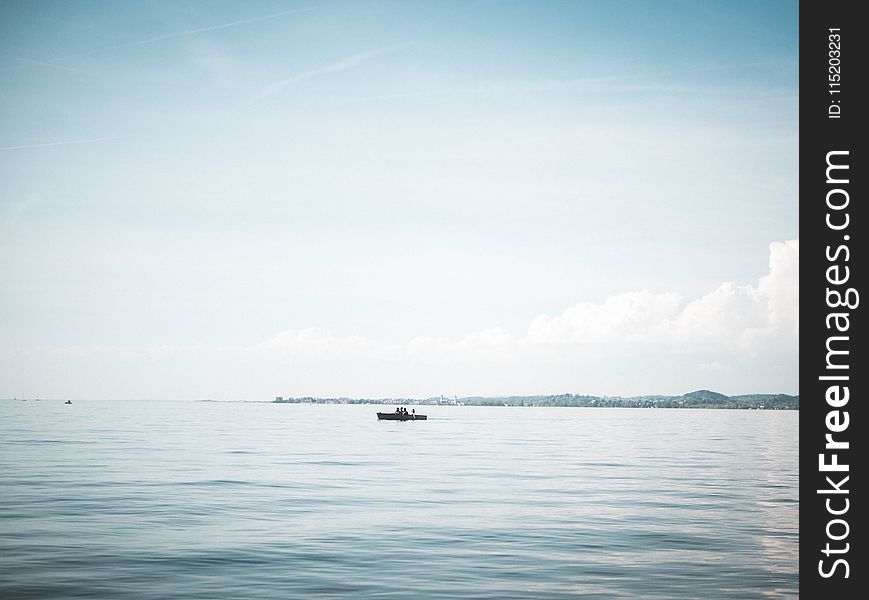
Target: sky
{"points": [[243, 200]]}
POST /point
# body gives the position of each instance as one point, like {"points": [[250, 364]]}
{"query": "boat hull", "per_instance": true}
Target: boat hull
{"points": [[400, 417]]}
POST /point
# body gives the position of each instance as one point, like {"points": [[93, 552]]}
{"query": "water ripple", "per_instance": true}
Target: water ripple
{"points": [[263, 501]]}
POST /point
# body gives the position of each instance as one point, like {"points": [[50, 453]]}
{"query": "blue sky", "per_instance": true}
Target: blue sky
{"points": [[238, 200]]}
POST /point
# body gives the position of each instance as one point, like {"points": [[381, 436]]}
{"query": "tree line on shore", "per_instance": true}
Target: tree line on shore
{"points": [[696, 399]]}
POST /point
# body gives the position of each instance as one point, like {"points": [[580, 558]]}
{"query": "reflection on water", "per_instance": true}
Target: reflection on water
{"points": [[205, 500]]}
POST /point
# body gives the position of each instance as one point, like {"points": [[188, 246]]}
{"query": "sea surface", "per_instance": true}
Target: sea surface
{"points": [[159, 500]]}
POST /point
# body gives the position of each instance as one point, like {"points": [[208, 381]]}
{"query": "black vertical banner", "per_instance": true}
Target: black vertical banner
{"points": [[833, 365]]}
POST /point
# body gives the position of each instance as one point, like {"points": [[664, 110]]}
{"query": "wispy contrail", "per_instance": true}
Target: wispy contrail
{"points": [[213, 27], [343, 64], [164, 36], [60, 143], [29, 62]]}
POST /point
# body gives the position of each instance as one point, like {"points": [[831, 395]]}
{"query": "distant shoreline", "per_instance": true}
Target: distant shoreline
{"points": [[697, 399]]}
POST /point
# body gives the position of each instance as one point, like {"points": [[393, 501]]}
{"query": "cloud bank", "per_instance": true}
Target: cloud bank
{"points": [[743, 335], [737, 318], [741, 320]]}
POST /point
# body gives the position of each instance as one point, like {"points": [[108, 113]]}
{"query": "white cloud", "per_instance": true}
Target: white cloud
{"points": [[732, 317], [781, 286], [734, 320], [747, 318], [630, 316]]}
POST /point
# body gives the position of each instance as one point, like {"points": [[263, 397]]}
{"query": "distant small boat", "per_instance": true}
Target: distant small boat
{"points": [[68, 402], [400, 417]]}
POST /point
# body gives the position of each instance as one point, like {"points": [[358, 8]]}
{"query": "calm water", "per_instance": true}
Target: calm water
{"points": [[243, 500]]}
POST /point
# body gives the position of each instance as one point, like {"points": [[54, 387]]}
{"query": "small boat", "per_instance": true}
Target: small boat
{"points": [[395, 416], [68, 402]]}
